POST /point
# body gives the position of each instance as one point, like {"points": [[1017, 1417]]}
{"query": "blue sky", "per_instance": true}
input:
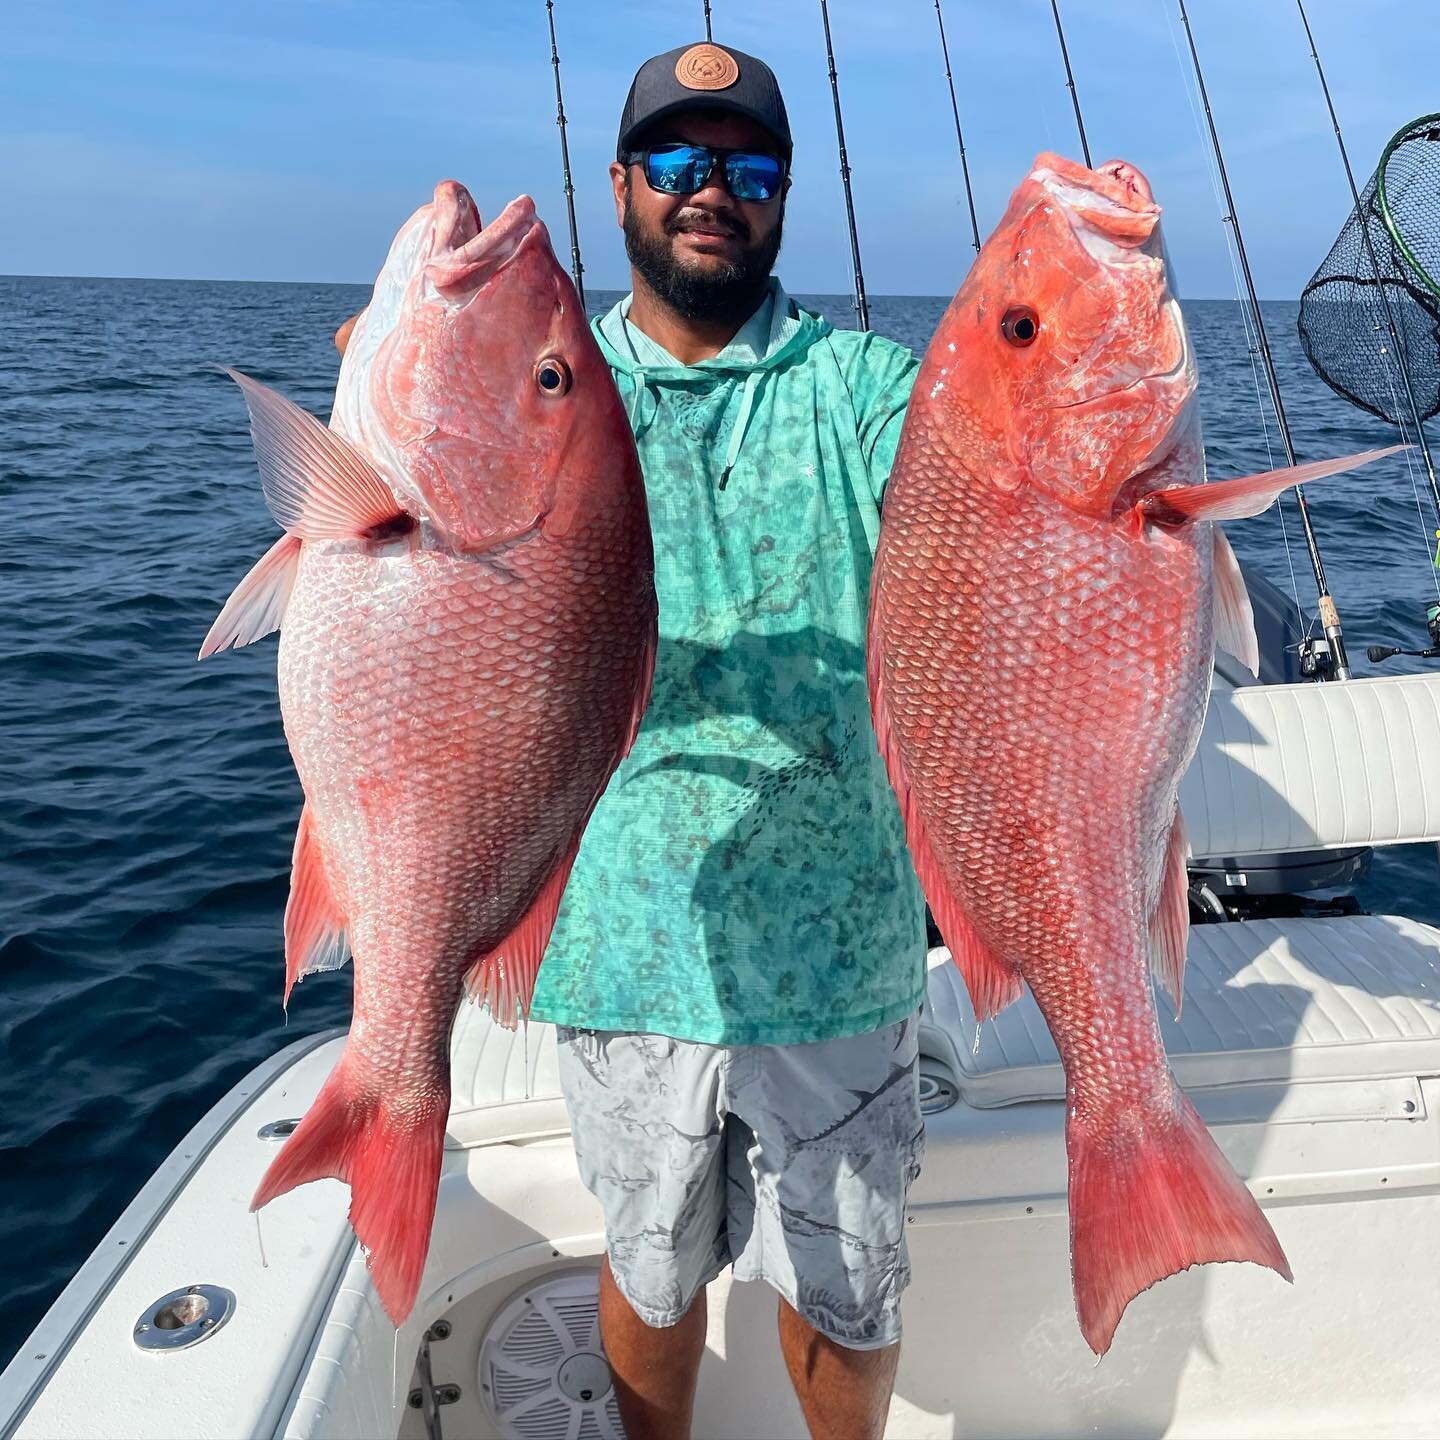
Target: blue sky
{"points": [[288, 139]]}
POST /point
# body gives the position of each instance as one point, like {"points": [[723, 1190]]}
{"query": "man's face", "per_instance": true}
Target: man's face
{"points": [[707, 255]]}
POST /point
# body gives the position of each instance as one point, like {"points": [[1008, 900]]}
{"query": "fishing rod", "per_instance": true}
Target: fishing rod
{"points": [[1070, 81], [959, 135], [1395, 345], [708, 36], [576, 268], [862, 309], [1329, 614]]}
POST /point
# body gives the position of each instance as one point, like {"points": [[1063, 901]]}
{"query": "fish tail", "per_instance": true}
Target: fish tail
{"points": [[1150, 1204], [389, 1153]]}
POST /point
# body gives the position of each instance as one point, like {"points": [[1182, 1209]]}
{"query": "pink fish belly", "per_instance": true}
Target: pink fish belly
{"points": [[452, 721]]}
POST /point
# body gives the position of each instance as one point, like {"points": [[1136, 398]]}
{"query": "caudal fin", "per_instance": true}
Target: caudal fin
{"points": [[389, 1153], [1146, 1206]]}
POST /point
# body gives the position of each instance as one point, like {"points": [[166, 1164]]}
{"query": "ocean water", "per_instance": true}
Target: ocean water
{"points": [[148, 804]]}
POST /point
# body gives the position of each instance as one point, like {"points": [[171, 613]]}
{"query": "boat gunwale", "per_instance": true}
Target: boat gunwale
{"points": [[26, 1376]]}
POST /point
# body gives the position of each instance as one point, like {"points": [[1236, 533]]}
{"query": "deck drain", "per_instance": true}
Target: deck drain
{"points": [[937, 1091], [184, 1317]]}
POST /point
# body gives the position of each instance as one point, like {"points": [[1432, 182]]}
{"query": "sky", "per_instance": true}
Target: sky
{"points": [[289, 139]]}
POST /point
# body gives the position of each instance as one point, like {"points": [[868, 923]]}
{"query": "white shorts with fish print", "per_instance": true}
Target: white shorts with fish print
{"points": [[789, 1162]]}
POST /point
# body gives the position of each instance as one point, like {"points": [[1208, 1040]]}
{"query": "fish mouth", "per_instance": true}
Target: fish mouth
{"points": [[1111, 209], [466, 253]]}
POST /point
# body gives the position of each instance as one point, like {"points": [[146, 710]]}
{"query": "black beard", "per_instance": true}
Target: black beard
{"points": [[731, 293]]}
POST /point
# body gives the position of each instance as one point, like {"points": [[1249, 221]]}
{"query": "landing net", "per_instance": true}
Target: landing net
{"points": [[1387, 258]]}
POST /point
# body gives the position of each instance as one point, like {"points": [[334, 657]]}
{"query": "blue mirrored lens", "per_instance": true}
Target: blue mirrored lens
{"points": [[679, 171], [753, 177]]}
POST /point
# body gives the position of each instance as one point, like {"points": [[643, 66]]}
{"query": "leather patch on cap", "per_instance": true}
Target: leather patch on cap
{"points": [[706, 67]]}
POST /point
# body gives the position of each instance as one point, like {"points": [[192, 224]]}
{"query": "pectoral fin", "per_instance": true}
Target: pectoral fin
{"points": [[1247, 495], [316, 484]]}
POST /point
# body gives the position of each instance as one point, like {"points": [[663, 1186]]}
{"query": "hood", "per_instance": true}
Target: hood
{"points": [[792, 329], [749, 357]]}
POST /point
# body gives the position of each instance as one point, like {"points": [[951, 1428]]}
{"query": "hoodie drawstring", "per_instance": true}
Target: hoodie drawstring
{"points": [[742, 420]]}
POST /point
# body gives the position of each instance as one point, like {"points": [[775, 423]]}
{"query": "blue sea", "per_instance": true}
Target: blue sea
{"points": [[148, 804]]}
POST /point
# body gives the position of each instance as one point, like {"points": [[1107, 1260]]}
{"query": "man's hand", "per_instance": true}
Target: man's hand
{"points": [[342, 335]]}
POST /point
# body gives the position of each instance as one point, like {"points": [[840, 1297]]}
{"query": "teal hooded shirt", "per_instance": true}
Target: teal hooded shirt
{"points": [[744, 879]]}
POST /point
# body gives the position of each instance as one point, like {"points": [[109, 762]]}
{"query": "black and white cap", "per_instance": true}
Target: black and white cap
{"points": [[703, 77]]}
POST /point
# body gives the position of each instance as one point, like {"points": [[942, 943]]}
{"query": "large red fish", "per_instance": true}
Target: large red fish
{"points": [[1047, 593], [469, 630]]}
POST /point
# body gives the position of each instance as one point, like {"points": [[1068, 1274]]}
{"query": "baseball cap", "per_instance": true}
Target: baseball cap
{"points": [[703, 77]]}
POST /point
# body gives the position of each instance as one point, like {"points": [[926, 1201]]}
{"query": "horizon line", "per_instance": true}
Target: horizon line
{"points": [[606, 289]]}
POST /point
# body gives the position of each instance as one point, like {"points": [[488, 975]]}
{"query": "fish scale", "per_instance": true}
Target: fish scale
{"points": [[533, 684]]}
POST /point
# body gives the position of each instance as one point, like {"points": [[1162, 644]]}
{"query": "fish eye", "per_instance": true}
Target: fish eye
{"points": [[1020, 325], [552, 375]]}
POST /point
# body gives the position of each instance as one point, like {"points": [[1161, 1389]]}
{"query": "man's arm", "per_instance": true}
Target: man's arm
{"points": [[342, 335]]}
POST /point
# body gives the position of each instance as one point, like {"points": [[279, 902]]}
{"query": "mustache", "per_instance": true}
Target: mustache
{"points": [[684, 220]]}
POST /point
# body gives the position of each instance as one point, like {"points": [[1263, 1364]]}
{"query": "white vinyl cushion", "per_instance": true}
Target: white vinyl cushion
{"points": [[504, 1084], [1316, 766], [1265, 1000]]}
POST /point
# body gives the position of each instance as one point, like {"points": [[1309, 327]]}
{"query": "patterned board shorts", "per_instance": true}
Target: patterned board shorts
{"points": [[791, 1162]]}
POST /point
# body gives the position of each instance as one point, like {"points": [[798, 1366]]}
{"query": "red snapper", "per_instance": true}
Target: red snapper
{"points": [[1048, 590], [469, 630]]}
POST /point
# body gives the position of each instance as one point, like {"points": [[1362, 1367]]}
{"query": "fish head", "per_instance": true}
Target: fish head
{"points": [[472, 378], [1064, 359]]}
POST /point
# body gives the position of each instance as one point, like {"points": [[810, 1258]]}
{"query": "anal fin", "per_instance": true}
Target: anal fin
{"points": [[992, 983], [314, 928], [1170, 924], [505, 978]]}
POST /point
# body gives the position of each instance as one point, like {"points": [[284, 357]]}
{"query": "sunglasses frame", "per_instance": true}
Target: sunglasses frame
{"points": [[718, 157]]}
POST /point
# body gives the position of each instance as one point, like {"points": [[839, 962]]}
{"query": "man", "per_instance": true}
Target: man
{"points": [[739, 961], [738, 964]]}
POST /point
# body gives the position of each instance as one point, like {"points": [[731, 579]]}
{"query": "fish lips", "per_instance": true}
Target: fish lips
{"points": [[467, 255], [1111, 209]]}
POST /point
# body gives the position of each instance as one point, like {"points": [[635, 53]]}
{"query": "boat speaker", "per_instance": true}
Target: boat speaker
{"points": [[543, 1374]]}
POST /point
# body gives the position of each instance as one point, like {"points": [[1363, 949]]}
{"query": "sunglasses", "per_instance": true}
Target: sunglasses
{"points": [[680, 169]]}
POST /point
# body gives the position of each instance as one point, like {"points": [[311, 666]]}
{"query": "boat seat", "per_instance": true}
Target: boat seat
{"points": [[1307, 767], [1349, 999], [1356, 998], [504, 1084]]}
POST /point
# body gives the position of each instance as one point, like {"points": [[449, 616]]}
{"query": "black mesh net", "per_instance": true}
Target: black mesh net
{"points": [[1386, 259]]}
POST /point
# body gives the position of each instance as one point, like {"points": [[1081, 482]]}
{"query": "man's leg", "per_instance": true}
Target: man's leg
{"points": [[655, 1369], [844, 1393]]}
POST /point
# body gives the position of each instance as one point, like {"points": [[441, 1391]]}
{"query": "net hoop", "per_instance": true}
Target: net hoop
{"points": [[1391, 224]]}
